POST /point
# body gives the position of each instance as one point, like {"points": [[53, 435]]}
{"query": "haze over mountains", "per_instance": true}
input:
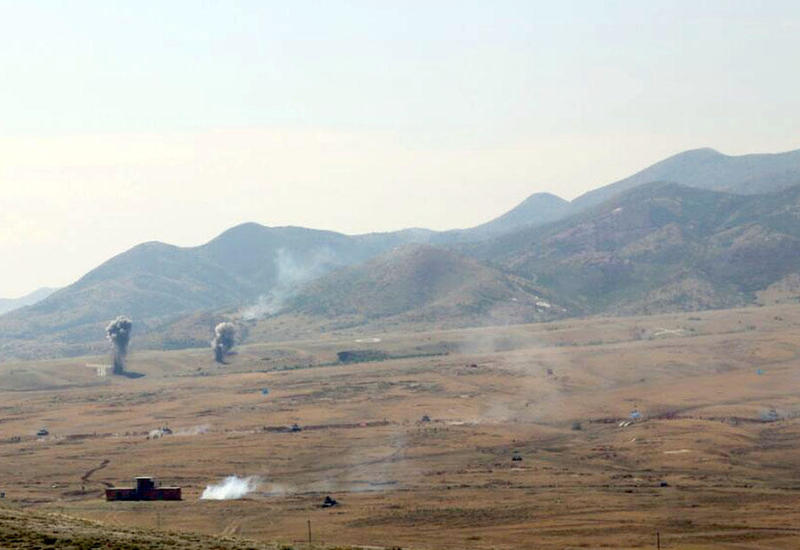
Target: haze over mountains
{"points": [[697, 230], [420, 283], [710, 169], [10, 304]]}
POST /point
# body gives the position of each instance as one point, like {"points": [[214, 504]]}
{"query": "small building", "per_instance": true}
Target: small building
{"points": [[146, 489]]}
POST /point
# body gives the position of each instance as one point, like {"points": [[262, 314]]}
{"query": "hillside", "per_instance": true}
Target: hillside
{"points": [[424, 283], [699, 168], [10, 304], [710, 239], [538, 209], [660, 247], [709, 169], [154, 283], [171, 292], [28, 529]]}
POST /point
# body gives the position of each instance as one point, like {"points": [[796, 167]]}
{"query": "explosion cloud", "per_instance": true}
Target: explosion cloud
{"points": [[224, 335], [230, 488], [118, 333]]}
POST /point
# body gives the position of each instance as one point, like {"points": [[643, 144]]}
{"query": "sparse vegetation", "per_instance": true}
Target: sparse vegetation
{"points": [[424, 484], [30, 530]]}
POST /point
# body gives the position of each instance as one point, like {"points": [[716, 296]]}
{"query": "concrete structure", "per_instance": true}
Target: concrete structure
{"points": [[146, 489]]}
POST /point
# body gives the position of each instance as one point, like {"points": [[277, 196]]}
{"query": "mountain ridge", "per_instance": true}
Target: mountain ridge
{"points": [[707, 168], [426, 280], [654, 235], [580, 253], [10, 304]]}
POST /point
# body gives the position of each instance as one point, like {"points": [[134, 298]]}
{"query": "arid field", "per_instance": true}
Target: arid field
{"points": [[511, 437]]}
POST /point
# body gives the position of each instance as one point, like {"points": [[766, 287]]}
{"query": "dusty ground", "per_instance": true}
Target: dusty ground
{"points": [[714, 462], [24, 529]]}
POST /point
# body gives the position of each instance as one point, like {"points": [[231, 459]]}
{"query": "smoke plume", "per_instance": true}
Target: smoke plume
{"points": [[194, 430], [224, 338], [118, 333], [291, 272], [232, 487]]}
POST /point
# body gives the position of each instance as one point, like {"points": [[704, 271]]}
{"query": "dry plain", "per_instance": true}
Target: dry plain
{"points": [[713, 462]]}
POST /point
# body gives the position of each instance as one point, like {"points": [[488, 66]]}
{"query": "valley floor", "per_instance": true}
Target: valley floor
{"points": [[511, 437]]}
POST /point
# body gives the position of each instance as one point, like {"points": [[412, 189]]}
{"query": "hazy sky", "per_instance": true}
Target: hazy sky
{"points": [[122, 122]]}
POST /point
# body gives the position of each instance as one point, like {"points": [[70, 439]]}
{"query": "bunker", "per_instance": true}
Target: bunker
{"points": [[146, 489]]}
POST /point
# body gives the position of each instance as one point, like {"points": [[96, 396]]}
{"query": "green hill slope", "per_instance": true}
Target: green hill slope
{"points": [[154, 283], [425, 283], [660, 247]]}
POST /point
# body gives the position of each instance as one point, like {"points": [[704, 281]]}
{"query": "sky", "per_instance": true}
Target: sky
{"points": [[124, 122]]}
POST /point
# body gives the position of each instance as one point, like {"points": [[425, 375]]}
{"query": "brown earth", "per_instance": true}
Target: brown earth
{"points": [[712, 463]]}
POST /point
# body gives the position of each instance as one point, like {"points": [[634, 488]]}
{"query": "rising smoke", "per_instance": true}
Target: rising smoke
{"points": [[118, 333], [232, 487], [292, 271], [224, 339]]}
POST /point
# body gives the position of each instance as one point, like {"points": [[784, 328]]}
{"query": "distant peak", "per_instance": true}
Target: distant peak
{"points": [[702, 152], [246, 226], [543, 197], [152, 245]]}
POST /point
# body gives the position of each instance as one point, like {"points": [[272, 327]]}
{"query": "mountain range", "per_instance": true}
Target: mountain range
{"points": [[710, 169], [10, 304], [659, 247], [697, 230]]}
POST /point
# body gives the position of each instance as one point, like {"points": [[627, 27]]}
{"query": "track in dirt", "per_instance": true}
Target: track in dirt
{"points": [[89, 473]]}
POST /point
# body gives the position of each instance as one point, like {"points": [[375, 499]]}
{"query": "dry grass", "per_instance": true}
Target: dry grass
{"points": [[35, 530], [732, 479]]}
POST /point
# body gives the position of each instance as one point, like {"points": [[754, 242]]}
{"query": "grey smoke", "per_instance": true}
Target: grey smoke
{"points": [[292, 271], [224, 339], [118, 333]]}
